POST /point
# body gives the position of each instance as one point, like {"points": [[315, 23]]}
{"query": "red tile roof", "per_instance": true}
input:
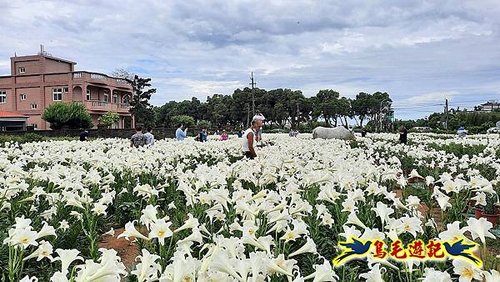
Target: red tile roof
{"points": [[4, 114]]}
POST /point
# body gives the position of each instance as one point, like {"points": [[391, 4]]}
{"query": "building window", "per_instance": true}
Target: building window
{"points": [[57, 94], [65, 89], [23, 97], [115, 99], [106, 98], [22, 70], [3, 97], [35, 126], [88, 95], [34, 106]]}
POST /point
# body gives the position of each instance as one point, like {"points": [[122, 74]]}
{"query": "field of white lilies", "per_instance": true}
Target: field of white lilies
{"points": [[199, 212]]}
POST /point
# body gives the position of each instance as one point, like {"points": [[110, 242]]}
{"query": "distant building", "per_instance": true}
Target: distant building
{"points": [[12, 121], [489, 106], [39, 80]]}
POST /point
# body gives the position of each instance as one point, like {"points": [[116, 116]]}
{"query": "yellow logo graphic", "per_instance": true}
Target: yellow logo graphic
{"points": [[433, 250]]}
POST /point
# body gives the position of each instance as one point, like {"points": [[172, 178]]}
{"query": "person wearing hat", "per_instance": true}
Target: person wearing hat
{"points": [[258, 133], [250, 135]]}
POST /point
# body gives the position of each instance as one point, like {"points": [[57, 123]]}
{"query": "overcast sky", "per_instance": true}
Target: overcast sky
{"points": [[418, 51]]}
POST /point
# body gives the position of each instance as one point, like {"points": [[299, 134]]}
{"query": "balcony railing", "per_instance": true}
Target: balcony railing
{"points": [[100, 77], [97, 76], [106, 106], [122, 81]]}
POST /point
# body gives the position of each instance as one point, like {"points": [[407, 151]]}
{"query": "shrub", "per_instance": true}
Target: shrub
{"points": [[109, 119], [31, 137], [71, 115], [203, 124], [187, 121]]}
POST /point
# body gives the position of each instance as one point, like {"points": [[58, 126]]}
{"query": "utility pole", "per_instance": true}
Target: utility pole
{"points": [[252, 83], [446, 112], [248, 115], [297, 119]]}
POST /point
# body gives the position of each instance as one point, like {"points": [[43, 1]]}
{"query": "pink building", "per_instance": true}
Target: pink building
{"points": [[40, 80]]}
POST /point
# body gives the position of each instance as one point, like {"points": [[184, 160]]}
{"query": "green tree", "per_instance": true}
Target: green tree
{"points": [[203, 124], [146, 116], [219, 108], [187, 121], [344, 110], [380, 108], [139, 103], [141, 109], [109, 118], [326, 106], [362, 106], [67, 115]]}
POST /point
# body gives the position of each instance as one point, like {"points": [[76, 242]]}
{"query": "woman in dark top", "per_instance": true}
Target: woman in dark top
{"points": [[84, 135], [403, 135]]}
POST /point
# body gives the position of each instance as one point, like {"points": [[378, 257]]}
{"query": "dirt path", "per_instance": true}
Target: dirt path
{"points": [[127, 251]]}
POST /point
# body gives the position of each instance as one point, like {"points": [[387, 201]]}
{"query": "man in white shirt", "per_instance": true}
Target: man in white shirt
{"points": [[150, 138], [250, 135]]}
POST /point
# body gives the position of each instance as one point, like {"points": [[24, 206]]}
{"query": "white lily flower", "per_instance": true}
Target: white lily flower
{"points": [[374, 275], [466, 270], [67, 257], [323, 272], [353, 219], [130, 231], [44, 251], [160, 230], [383, 211], [479, 228], [190, 223], [308, 247]]}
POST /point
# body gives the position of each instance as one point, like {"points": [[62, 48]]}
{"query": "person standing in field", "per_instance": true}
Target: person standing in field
{"points": [[180, 133], [138, 139], [224, 136], [403, 135], [249, 137], [84, 135], [258, 133], [461, 132], [203, 135], [150, 138]]}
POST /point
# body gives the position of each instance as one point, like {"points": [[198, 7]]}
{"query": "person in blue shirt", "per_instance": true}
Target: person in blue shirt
{"points": [[180, 133], [461, 132]]}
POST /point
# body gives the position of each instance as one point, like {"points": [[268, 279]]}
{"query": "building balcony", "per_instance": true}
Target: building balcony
{"points": [[102, 106], [99, 78]]}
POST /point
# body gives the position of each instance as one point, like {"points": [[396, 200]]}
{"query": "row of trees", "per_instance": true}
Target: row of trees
{"points": [[280, 107], [473, 121]]}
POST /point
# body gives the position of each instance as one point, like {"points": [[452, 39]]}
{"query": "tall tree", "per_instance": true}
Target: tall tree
{"points": [[362, 106], [141, 109], [139, 104], [325, 105], [345, 110], [381, 106]]}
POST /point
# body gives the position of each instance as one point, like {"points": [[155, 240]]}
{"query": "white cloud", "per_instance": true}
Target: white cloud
{"points": [[428, 98]]}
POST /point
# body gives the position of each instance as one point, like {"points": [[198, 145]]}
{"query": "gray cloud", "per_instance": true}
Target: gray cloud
{"points": [[418, 51]]}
